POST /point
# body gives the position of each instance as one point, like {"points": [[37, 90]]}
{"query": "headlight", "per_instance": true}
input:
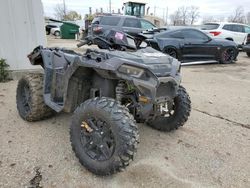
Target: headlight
{"points": [[130, 70]]}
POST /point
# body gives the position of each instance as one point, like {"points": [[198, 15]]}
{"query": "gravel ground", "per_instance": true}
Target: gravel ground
{"points": [[211, 150]]}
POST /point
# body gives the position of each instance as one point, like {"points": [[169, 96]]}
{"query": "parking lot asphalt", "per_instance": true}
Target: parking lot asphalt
{"points": [[211, 150]]}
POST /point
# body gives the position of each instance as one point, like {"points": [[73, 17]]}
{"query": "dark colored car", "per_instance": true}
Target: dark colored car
{"points": [[246, 48], [188, 44], [128, 24], [48, 28]]}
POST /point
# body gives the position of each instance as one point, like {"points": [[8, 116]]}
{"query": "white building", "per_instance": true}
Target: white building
{"points": [[22, 29]]}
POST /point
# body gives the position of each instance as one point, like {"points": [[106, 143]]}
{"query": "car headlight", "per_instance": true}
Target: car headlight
{"points": [[130, 70]]}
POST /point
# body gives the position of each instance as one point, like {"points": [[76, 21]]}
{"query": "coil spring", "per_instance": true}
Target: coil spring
{"points": [[120, 90]]}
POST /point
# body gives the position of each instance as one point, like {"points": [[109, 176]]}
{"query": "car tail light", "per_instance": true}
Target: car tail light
{"points": [[97, 29], [215, 33], [248, 38]]}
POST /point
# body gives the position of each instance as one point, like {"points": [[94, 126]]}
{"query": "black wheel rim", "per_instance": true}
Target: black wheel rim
{"points": [[97, 139], [168, 110], [228, 55], [171, 52], [26, 98]]}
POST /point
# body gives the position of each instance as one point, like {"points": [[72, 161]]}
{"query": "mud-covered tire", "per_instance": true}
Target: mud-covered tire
{"points": [[29, 98], [119, 122], [181, 113]]}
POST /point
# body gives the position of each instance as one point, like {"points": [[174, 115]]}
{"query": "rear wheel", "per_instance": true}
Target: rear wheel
{"points": [[57, 33], [29, 98], [103, 135], [248, 54], [171, 51], [228, 55], [177, 116]]}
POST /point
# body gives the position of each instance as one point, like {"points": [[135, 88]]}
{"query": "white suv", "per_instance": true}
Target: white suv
{"points": [[232, 31]]}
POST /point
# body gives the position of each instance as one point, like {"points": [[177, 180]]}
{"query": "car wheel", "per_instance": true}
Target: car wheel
{"points": [[171, 51], [227, 56], [57, 33], [248, 54], [103, 136]]}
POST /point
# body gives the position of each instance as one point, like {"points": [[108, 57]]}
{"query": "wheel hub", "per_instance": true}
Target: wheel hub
{"points": [[97, 139]]}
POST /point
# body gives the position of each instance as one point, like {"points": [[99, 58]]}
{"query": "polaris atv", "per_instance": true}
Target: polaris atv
{"points": [[109, 90]]}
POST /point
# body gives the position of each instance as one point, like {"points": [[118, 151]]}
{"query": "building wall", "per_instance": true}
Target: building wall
{"points": [[22, 29]]}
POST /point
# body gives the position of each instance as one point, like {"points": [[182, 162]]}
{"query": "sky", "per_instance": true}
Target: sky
{"points": [[215, 8]]}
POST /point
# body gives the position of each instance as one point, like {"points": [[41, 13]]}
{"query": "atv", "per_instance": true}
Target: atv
{"points": [[109, 90]]}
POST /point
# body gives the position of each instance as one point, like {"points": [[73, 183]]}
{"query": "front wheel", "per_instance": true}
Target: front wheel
{"points": [[248, 54], [173, 119], [228, 55], [103, 135]]}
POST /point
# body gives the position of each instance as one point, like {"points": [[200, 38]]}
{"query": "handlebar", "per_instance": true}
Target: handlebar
{"points": [[104, 43]]}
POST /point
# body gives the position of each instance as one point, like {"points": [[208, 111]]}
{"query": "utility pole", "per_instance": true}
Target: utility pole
{"points": [[64, 8], [109, 6], [163, 14], [167, 17]]}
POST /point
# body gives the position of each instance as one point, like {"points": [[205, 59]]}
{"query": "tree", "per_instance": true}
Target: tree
{"points": [[60, 11], [72, 15], [176, 17], [184, 11], [207, 19], [248, 18], [185, 15], [238, 16], [194, 14]]}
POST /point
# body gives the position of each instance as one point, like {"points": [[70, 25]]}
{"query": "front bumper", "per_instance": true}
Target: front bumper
{"points": [[159, 91], [246, 48]]}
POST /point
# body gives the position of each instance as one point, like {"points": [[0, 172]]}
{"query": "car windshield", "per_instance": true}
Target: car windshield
{"points": [[209, 26]]}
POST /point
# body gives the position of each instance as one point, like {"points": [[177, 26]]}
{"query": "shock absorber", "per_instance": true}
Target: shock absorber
{"points": [[120, 90]]}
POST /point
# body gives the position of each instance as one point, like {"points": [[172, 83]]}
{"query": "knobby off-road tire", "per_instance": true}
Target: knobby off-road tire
{"points": [[110, 141], [181, 112], [29, 98]]}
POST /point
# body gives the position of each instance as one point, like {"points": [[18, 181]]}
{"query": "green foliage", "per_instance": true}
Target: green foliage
{"points": [[89, 17], [130, 87], [3, 70], [72, 15]]}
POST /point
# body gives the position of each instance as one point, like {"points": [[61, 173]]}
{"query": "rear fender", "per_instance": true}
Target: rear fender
{"points": [[35, 56]]}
